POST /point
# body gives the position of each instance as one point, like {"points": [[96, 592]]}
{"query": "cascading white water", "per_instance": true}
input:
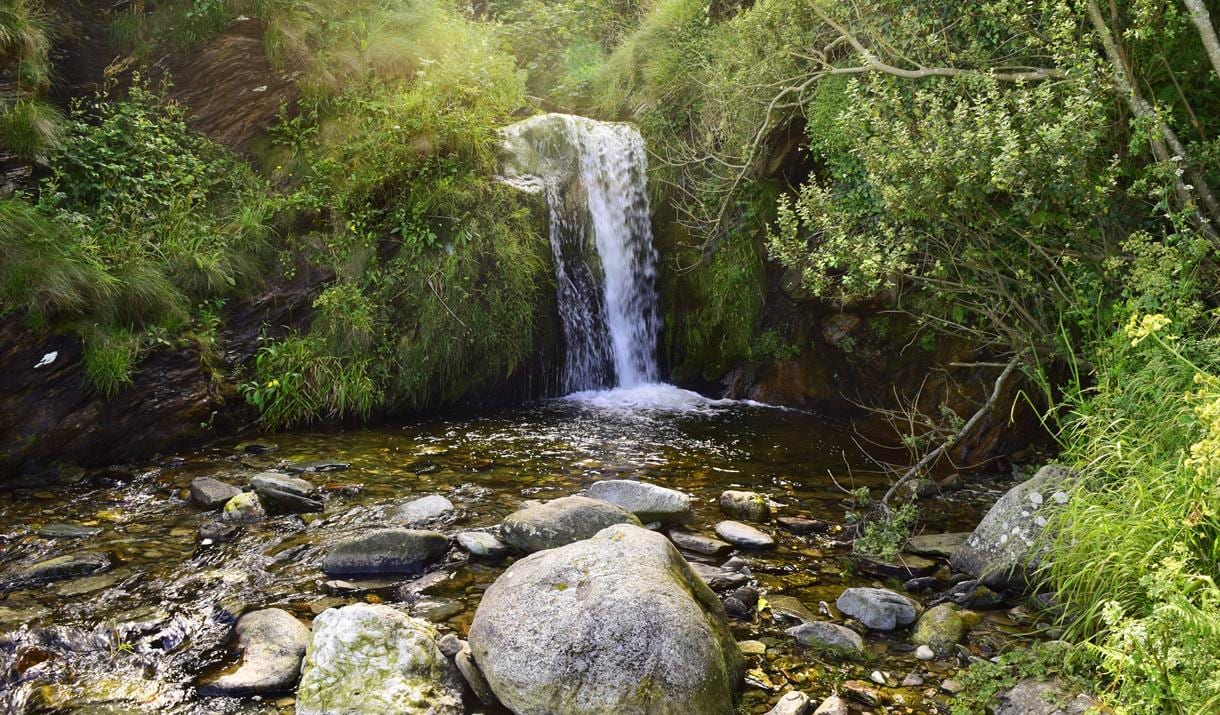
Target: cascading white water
{"points": [[594, 177]]}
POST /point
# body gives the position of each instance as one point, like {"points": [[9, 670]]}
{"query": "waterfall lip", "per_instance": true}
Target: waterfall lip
{"points": [[656, 398]]}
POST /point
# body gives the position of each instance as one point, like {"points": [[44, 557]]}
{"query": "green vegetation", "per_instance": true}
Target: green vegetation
{"points": [[29, 127]]}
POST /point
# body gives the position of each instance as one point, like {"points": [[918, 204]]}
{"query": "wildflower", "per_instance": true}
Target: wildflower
{"points": [[1140, 328]]}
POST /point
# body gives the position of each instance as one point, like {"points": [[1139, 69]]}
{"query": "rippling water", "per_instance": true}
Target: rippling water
{"points": [[139, 637]]}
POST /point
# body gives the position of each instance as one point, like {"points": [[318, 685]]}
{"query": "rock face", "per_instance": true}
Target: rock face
{"points": [[369, 659], [272, 643], [386, 551], [877, 608], [418, 512], [287, 494], [829, 637], [744, 535], [750, 506], [648, 502], [560, 522], [1002, 551], [940, 628], [208, 493], [1042, 697], [617, 623]]}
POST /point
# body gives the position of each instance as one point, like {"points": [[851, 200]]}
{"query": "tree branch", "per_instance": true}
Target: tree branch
{"points": [[1207, 32]]}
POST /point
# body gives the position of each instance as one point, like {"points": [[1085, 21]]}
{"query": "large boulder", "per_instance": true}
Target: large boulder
{"points": [[877, 608], [386, 551], [1004, 548], [272, 643], [368, 659], [616, 623], [560, 522], [648, 502]]}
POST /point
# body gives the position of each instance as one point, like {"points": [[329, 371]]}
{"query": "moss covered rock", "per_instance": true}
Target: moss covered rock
{"points": [[940, 628]]}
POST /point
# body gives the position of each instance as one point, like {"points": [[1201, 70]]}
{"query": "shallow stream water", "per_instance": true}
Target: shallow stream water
{"points": [[141, 636]]}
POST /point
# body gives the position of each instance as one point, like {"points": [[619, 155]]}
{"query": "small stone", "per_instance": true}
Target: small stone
{"points": [[834, 705], [951, 686], [450, 644], [831, 637], [209, 493], [792, 703], [743, 535], [698, 543], [750, 506], [424, 510], [877, 677], [287, 494], [923, 652], [752, 647], [272, 643], [864, 691], [244, 507], [482, 544], [912, 680], [218, 532]]}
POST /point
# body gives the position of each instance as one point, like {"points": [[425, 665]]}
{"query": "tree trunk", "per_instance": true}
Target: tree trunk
{"points": [[1207, 32]]}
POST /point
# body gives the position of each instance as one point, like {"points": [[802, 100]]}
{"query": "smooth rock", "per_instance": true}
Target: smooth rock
{"points": [[942, 545], [803, 525], [418, 512], [834, 705], [61, 568], [482, 544], [386, 551], [877, 677], [244, 508], [283, 493], [750, 506], [218, 531], [561, 522], [923, 652], [719, 579], [752, 647], [272, 643], [790, 608], [940, 628], [648, 502], [1042, 697], [618, 623], [450, 645], [209, 493], [831, 637], [68, 531], [743, 535], [698, 543], [464, 661], [951, 686], [1003, 550], [368, 659], [912, 680], [877, 608], [792, 703], [903, 566]]}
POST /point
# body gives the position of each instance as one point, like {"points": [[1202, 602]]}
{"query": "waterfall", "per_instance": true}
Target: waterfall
{"points": [[593, 175]]}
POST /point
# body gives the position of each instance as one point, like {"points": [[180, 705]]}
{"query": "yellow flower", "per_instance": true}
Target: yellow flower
{"points": [[1139, 328]]}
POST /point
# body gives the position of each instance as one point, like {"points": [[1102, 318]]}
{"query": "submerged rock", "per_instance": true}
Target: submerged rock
{"points": [[804, 525], [790, 608], [286, 494], [209, 493], [482, 544], [68, 531], [942, 545], [744, 535], [750, 506], [698, 543], [877, 608], [648, 502], [386, 551], [418, 512], [831, 637], [60, 568], [244, 507], [615, 623], [367, 659], [902, 566], [940, 628], [1003, 549], [560, 522], [272, 643]]}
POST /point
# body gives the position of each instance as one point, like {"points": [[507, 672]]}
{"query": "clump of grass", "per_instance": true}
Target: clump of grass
{"points": [[110, 359]]}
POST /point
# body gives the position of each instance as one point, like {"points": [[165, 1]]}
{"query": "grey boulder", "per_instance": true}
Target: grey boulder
{"points": [[561, 522], [1004, 549], [877, 608], [209, 493], [613, 624], [386, 551], [648, 502], [367, 659], [272, 643], [286, 494], [744, 535], [424, 510], [830, 637]]}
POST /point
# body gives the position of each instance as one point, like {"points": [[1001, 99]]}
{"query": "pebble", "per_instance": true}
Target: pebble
{"points": [[877, 677], [912, 680], [752, 647], [923, 652], [951, 686]]}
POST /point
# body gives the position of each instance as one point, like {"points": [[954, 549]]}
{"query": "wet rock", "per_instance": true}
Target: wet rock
{"points": [[386, 551], [648, 502], [60, 568], [88, 584], [942, 545], [719, 579], [367, 659], [752, 647], [923, 584], [272, 643], [318, 467], [616, 623], [464, 661], [878, 677], [834, 705], [972, 594], [423, 466], [802, 525], [940, 628], [903, 566], [698, 543], [1042, 697], [828, 637], [923, 652], [436, 610], [912, 680], [750, 506], [951, 686], [864, 692], [244, 508], [418, 512], [450, 645], [741, 602], [877, 608], [218, 532], [1002, 550], [790, 608], [68, 531], [743, 535], [482, 544], [209, 493], [792, 703], [561, 522], [286, 494]]}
